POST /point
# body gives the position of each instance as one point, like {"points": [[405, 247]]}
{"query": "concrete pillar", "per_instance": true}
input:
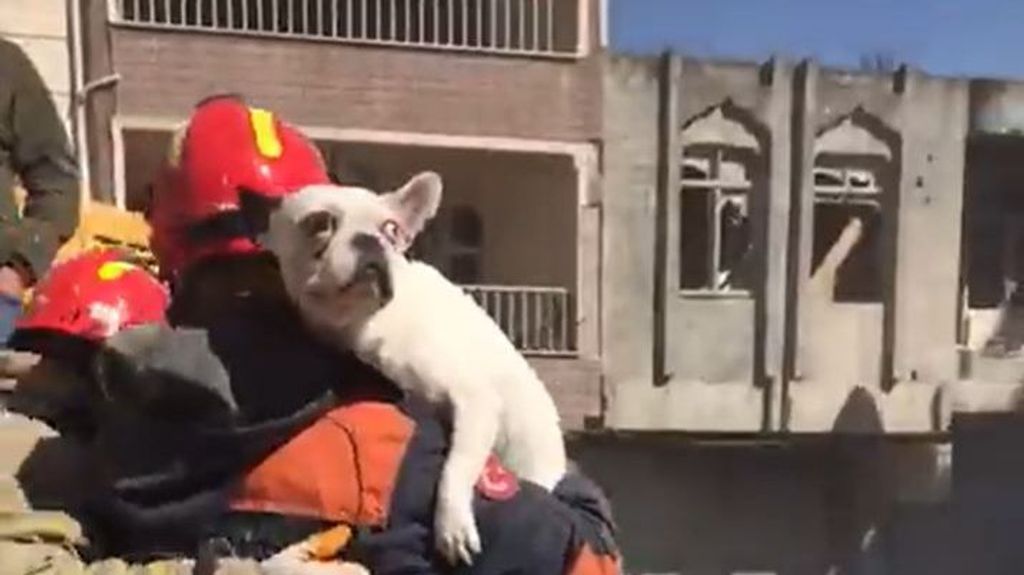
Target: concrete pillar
{"points": [[801, 221], [665, 233], [588, 255], [772, 311]]}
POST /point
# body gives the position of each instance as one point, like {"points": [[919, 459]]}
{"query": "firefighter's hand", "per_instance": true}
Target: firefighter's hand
{"points": [[12, 283]]}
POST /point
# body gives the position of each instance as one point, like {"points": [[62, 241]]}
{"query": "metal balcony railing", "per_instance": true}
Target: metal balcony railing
{"points": [[538, 320], [525, 27]]}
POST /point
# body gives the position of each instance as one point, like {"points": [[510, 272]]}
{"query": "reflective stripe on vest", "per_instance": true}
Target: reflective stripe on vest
{"points": [[342, 468]]}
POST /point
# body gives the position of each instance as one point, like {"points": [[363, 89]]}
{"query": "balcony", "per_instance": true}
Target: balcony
{"points": [[538, 320], [539, 28]]}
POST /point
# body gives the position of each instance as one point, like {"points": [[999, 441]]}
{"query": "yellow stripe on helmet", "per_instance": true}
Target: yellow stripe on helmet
{"points": [[267, 141], [112, 270]]}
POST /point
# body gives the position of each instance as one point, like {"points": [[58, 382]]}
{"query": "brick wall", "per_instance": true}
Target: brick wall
{"points": [[163, 74], [344, 86]]}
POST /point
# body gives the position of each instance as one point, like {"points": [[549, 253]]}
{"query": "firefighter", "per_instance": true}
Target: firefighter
{"points": [[75, 306], [282, 439]]}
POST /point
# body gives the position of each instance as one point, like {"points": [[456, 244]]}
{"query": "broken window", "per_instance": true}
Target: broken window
{"points": [[847, 248], [993, 249], [715, 242]]}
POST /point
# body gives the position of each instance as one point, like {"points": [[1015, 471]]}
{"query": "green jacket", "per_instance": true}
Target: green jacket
{"points": [[34, 149]]}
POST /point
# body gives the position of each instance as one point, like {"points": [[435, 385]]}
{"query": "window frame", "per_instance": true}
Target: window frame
{"points": [[722, 191]]}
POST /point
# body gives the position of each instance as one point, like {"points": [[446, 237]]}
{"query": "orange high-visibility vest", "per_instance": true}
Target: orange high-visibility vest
{"points": [[324, 473]]}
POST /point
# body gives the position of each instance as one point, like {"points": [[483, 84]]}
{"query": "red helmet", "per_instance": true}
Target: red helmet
{"points": [[226, 146], [91, 297]]}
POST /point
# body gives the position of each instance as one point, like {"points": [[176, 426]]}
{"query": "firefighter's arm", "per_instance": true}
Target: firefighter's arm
{"points": [[165, 371], [399, 550], [41, 155]]}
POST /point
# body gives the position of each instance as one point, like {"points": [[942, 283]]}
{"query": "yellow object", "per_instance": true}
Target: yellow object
{"points": [[103, 225], [329, 544], [267, 141]]}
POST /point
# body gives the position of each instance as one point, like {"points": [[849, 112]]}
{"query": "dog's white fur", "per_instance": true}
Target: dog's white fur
{"points": [[430, 338]]}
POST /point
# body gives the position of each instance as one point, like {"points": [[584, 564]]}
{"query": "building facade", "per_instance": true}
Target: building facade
{"points": [[786, 219], [677, 244], [764, 287], [502, 98]]}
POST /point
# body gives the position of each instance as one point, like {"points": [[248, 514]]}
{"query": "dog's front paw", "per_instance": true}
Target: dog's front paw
{"points": [[456, 533]]}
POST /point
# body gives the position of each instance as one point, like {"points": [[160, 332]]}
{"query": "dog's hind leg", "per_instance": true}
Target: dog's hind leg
{"points": [[476, 416]]}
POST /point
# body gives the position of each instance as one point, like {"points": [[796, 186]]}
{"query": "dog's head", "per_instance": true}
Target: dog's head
{"points": [[338, 246]]}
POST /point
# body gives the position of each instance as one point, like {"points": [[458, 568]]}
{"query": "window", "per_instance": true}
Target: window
{"points": [[720, 164], [843, 182], [992, 245], [453, 242], [715, 240], [855, 162], [464, 245], [847, 204]]}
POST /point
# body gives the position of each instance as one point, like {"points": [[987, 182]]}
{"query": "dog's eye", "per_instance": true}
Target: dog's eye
{"points": [[318, 225]]}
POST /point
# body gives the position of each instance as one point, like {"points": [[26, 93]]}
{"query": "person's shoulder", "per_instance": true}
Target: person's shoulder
{"points": [[7, 45], [12, 55]]}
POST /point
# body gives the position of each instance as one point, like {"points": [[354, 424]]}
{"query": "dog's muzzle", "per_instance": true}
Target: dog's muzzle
{"points": [[372, 265]]}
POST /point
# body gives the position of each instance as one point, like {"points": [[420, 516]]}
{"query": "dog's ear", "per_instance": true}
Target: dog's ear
{"points": [[416, 202], [255, 209]]}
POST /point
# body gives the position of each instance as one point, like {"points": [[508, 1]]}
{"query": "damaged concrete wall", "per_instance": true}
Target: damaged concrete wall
{"points": [[884, 356], [631, 93], [681, 137], [842, 312]]}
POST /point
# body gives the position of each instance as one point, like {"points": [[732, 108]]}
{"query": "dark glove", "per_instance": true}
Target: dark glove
{"points": [[166, 372]]}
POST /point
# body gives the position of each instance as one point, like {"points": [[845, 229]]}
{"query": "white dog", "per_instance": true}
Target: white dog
{"points": [[340, 250]]}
